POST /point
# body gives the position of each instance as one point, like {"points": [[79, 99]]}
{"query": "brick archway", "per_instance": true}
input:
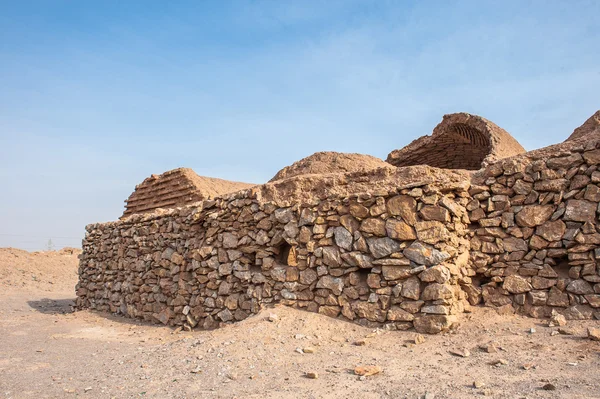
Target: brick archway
{"points": [[461, 141], [460, 147]]}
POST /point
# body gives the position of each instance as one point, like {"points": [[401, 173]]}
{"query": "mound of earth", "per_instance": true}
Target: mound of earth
{"points": [[331, 162], [175, 188], [590, 126], [47, 270]]}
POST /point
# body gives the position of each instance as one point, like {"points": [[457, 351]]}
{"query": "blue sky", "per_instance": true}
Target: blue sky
{"points": [[96, 96]]}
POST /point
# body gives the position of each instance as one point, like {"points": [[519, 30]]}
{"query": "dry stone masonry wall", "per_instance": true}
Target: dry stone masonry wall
{"points": [[413, 249], [395, 258], [536, 245]]}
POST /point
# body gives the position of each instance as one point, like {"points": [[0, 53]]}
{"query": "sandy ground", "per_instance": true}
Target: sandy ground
{"points": [[47, 351]]}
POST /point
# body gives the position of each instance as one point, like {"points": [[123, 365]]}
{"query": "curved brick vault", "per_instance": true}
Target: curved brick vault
{"points": [[460, 141], [177, 187]]}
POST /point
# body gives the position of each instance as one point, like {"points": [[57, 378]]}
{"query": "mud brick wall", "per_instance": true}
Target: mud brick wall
{"points": [[535, 244], [396, 258], [174, 188]]}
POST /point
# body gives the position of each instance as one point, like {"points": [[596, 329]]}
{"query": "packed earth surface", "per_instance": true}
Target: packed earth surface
{"points": [[49, 351]]}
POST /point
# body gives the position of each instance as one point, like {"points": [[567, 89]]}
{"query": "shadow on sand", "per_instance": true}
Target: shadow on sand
{"points": [[53, 306]]}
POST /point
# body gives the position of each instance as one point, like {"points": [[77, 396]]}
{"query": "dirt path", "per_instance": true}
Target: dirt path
{"points": [[47, 351]]}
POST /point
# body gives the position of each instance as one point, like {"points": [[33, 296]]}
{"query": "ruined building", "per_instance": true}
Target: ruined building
{"points": [[461, 218]]}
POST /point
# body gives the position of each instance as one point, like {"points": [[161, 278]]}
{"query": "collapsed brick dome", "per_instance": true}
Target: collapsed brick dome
{"points": [[175, 188], [460, 141], [330, 162]]}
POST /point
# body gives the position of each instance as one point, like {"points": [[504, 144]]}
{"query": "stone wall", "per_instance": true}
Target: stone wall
{"points": [[410, 247], [536, 235], [394, 258]]}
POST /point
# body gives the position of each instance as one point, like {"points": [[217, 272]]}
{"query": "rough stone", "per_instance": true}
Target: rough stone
{"points": [[381, 247], [396, 272], [434, 212], [411, 288], [435, 291], [580, 210], [343, 238], [552, 230], [373, 226], [331, 256], [432, 232], [439, 274], [433, 324], [534, 215], [516, 285], [580, 287], [594, 333], [399, 230], [336, 285], [396, 313], [403, 206], [423, 254]]}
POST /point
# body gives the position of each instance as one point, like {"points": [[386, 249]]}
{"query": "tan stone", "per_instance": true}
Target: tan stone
{"points": [[512, 244], [434, 212], [432, 232], [534, 215], [399, 230], [424, 254], [396, 313], [331, 256], [516, 285], [594, 333], [331, 311], [435, 291], [541, 283], [350, 223], [373, 226], [556, 185], [396, 272], [403, 206], [439, 274], [552, 230], [433, 324], [369, 311], [359, 211]]}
